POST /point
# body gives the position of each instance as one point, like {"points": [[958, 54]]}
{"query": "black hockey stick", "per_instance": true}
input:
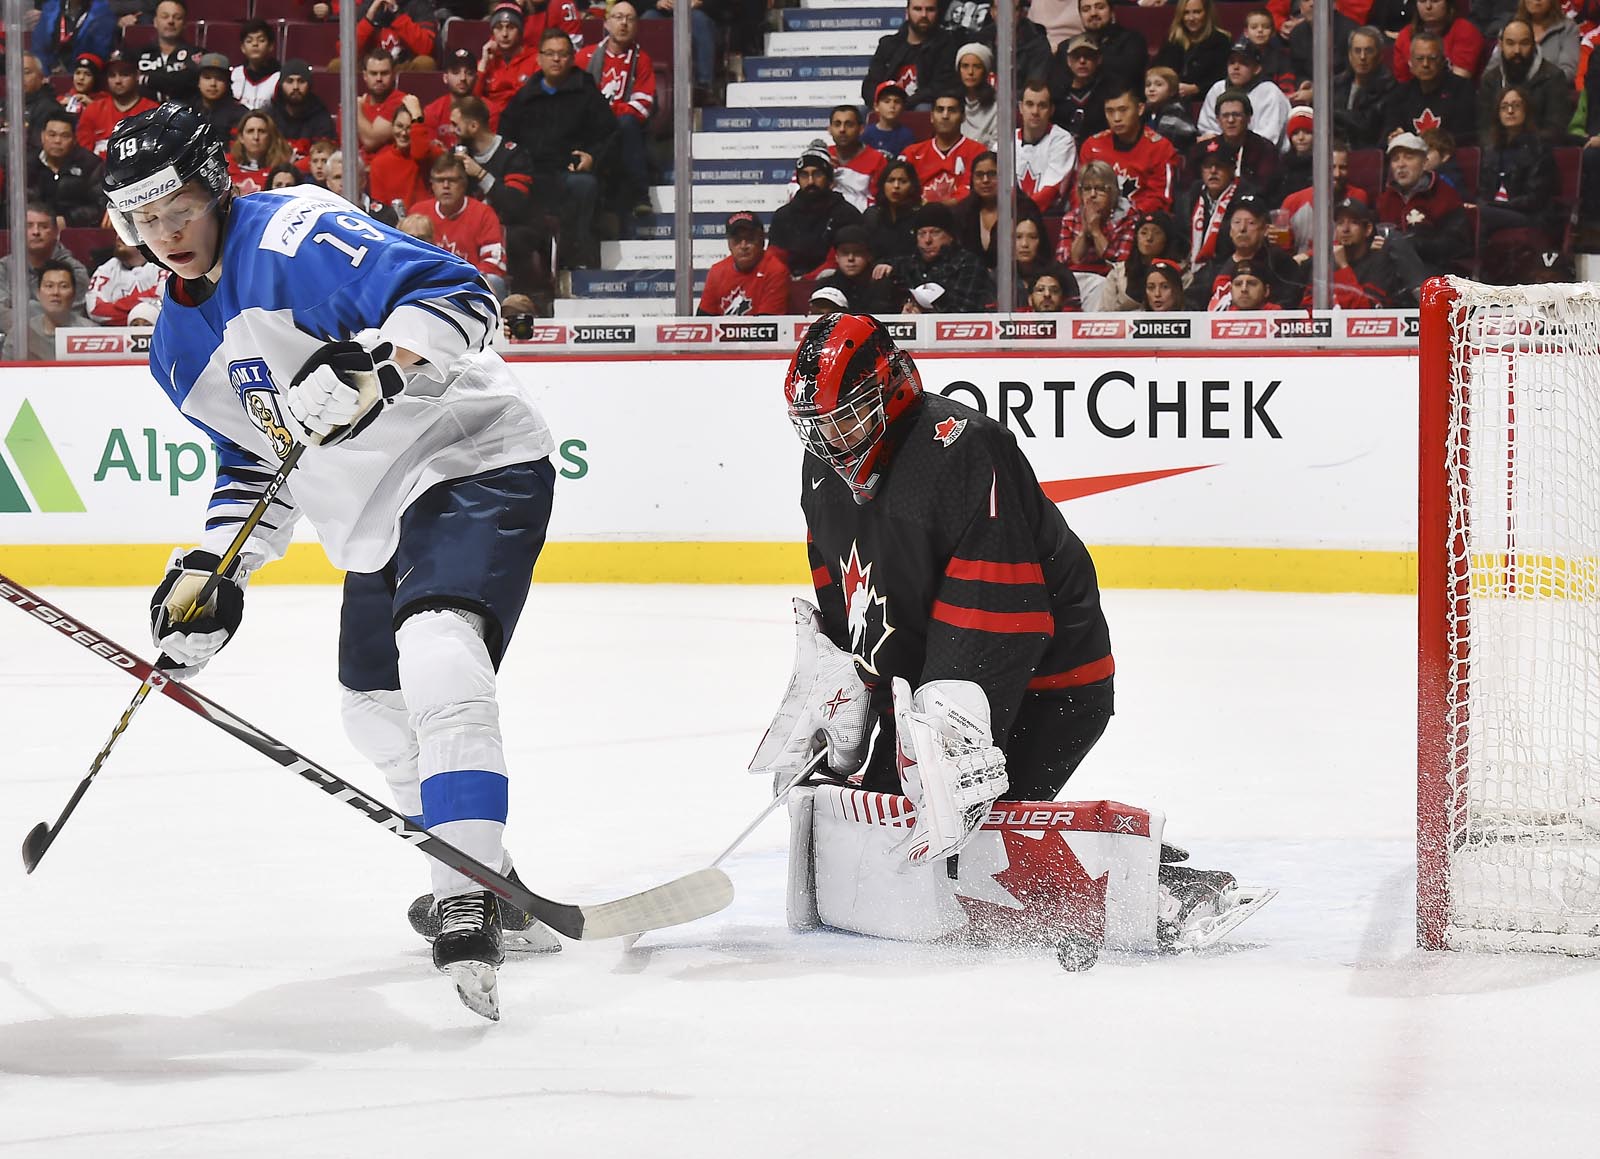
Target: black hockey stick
{"points": [[695, 895], [42, 836]]}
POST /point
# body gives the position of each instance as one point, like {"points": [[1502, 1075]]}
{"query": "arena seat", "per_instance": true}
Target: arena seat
{"points": [[215, 9], [84, 242], [655, 37], [1366, 170], [289, 11], [138, 37], [222, 36], [316, 44], [427, 86], [471, 35]]}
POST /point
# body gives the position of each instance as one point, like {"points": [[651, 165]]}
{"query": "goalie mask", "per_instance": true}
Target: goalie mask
{"points": [[846, 386], [154, 155]]}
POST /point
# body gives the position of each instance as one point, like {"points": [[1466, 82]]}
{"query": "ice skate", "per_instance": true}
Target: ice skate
{"points": [[468, 949], [1199, 907], [521, 932]]}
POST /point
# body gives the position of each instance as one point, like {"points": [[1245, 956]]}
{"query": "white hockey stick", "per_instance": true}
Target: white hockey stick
{"points": [[777, 799]]}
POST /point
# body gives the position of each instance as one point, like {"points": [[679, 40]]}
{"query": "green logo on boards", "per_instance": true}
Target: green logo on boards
{"points": [[40, 467]]}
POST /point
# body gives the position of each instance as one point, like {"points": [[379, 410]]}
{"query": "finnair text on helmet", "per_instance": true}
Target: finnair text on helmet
{"points": [[146, 189]]}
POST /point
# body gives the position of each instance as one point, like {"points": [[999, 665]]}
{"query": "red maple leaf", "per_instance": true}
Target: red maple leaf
{"points": [[1056, 892], [853, 575], [1426, 121], [945, 429]]}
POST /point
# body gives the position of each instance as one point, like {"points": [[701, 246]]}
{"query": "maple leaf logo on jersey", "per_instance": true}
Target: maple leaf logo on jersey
{"points": [[1426, 122], [736, 302], [866, 612], [948, 430]]}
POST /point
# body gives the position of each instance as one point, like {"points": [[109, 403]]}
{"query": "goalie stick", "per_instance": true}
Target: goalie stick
{"points": [[695, 895], [42, 836]]}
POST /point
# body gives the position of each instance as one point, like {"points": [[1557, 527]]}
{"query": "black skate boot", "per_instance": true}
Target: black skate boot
{"points": [[523, 932], [468, 949], [1190, 900]]}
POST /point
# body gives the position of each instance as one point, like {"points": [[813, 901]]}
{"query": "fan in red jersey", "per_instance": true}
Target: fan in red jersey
{"points": [[944, 161]]}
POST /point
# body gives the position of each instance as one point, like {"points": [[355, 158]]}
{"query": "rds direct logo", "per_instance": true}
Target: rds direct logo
{"points": [[36, 461]]}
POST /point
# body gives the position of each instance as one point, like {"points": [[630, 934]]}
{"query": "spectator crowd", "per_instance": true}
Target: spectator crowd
{"points": [[1172, 169], [1163, 154]]}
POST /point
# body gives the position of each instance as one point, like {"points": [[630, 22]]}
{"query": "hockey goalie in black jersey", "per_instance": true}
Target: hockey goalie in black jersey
{"points": [[957, 661]]}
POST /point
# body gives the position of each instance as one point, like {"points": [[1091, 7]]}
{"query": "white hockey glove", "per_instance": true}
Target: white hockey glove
{"points": [[948, 767], [341, 389], [825, 705], [190, 642]]}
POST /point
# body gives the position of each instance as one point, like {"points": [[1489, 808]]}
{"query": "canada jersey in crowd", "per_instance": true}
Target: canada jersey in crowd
{"points": [[303, 267], [958, 567]]}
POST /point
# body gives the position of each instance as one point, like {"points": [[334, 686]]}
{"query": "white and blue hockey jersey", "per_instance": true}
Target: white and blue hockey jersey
{"points": [[301, 267]]}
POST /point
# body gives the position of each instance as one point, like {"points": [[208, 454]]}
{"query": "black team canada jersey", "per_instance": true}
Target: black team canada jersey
{"points": [[959, 568]]}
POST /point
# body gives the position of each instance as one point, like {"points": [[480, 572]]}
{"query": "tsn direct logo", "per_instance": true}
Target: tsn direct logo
{"points": [[963, 331], [681, 333], [1239, 329]]}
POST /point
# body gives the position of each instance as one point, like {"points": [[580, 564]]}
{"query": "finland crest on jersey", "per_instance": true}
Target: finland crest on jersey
{"points": [[251, 380]]}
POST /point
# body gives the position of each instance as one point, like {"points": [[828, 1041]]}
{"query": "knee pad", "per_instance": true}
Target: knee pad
{"points": [[449, 684], [379, 727], [378, 724]]}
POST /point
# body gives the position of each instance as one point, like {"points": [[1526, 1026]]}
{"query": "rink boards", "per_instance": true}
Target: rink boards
{"points": [[1258, 469]]}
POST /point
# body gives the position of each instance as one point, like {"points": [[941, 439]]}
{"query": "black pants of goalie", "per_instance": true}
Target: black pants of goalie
{"points": [[1054, 731]]}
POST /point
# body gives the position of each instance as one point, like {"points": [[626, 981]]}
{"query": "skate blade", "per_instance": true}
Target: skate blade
{"points": [[536, 939], [478, 986], [1204, 932]]}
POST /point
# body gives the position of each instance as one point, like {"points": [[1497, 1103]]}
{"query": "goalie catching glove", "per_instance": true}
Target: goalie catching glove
{"points": [[191, 640], [826, 705], [341, 389], [948, 767]]}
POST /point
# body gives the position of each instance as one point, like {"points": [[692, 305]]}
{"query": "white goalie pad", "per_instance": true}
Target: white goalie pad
{"points": [[1033, 873], [825, 697]]}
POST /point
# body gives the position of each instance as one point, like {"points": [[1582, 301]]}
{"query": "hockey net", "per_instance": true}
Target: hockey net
{"points": [[1509, 618]]}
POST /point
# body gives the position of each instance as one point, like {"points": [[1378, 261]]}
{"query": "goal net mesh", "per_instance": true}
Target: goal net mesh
{"points": [[1523, 710]]}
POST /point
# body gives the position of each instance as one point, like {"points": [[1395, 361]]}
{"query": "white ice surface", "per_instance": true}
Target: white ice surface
{"points": [[214, 962]]}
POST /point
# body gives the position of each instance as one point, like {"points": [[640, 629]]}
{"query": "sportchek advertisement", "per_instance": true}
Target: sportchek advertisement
{"points": [[1258, 450]]}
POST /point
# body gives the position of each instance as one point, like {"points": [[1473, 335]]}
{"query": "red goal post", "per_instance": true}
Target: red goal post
{"points": [[1508, 618]]}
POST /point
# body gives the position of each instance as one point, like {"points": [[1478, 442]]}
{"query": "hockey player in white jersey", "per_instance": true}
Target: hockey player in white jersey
{"points": [[291, 317]]}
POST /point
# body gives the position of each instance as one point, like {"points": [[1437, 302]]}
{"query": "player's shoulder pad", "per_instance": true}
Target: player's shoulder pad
{"points": [[957, 432]]}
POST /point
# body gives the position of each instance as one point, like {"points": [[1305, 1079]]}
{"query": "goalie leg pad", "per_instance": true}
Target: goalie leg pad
{"points": [[800, 900], [448, 681], [1033, 874], [379, 726]]}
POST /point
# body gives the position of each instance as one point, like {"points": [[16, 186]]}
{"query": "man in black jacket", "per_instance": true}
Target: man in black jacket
{"points": [[1434, 97], [167, 69], [1549, 95], [569, 134], [1248, 217], [66, 176], [919, 57], [1123, 53], [299, 113], [803, 228], [967, 285], [852, 274], [1360, 90]]}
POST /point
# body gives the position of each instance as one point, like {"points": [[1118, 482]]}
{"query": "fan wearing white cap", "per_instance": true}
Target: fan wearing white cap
{"points": [[1422, 222]]}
